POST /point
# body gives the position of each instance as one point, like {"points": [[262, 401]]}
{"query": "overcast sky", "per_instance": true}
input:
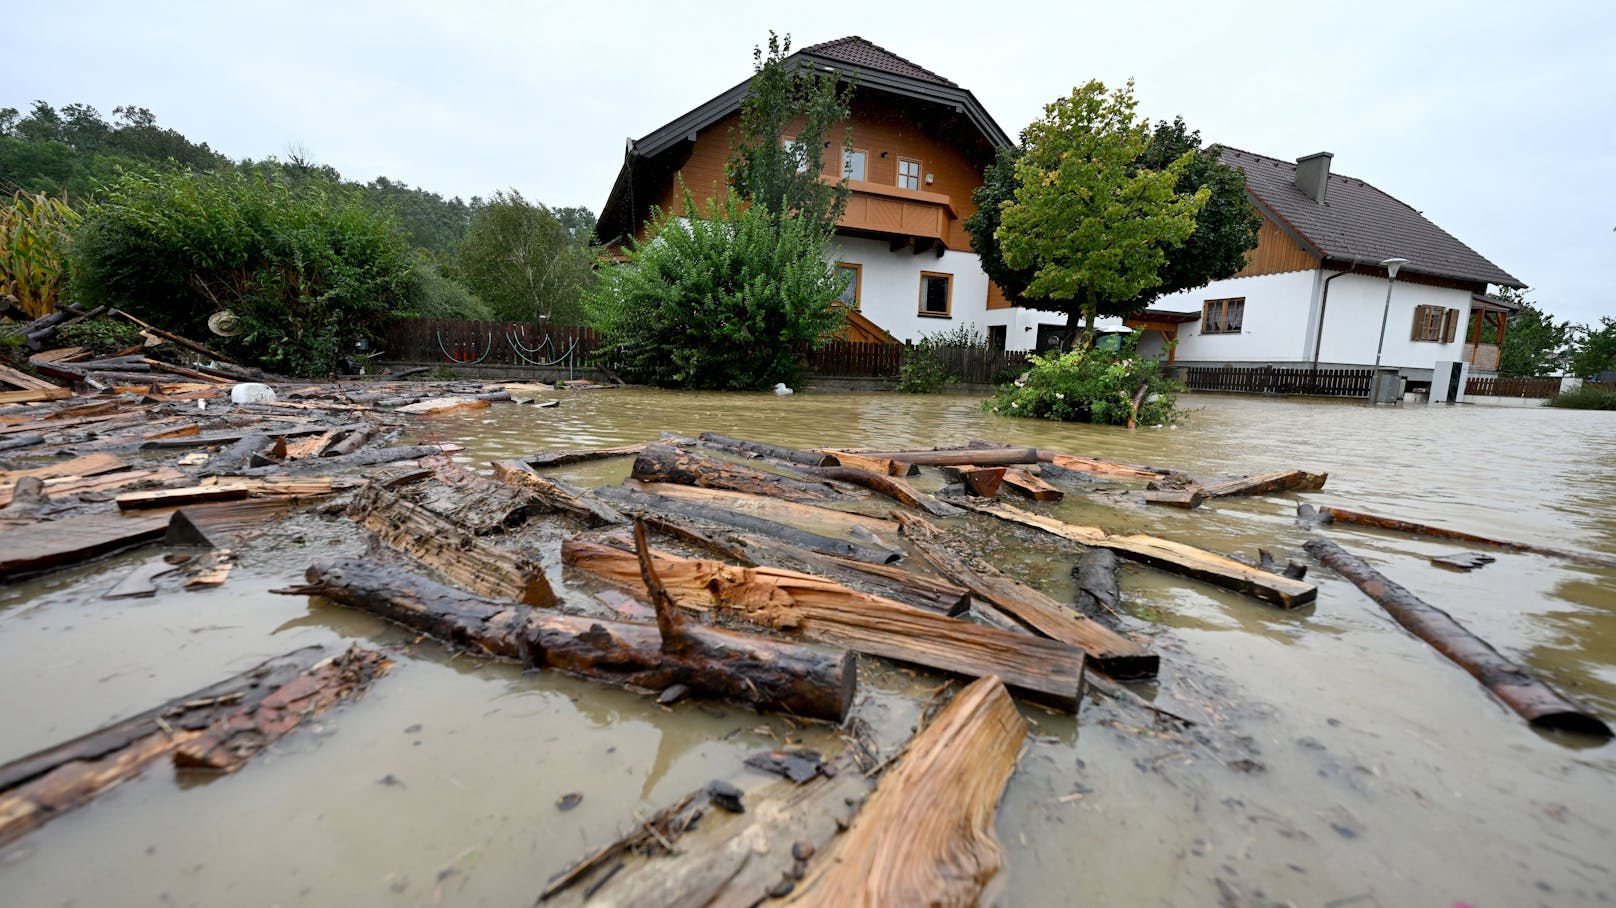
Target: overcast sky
{"points": [[1496, 119]]}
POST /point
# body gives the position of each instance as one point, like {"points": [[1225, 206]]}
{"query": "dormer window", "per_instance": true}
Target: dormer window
{"points": [[908, 174]]}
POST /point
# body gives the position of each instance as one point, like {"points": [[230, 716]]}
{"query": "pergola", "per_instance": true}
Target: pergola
{"points": [[1488, 310], [1165, 322]]}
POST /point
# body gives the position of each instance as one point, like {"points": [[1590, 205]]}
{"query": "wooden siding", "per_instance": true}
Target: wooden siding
{"points": [[1276, 253], [996, 298], [878, 126]]}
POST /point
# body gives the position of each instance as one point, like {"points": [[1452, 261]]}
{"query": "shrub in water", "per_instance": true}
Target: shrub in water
{"points": [[1096, 386], [1590, 396], [924, 371]]}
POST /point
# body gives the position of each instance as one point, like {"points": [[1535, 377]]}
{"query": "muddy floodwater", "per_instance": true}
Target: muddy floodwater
{"points": [[1337, 760]]}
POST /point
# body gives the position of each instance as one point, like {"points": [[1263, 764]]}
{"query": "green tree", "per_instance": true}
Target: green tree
{"points": [[1225, 227], [1534, 343], [1595, 349], [725, 299], [775, 165], [523, 263], [579, 221]]}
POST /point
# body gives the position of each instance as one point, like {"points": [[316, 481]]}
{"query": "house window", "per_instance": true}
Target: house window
{"points": [[908, 174], [936, 292], [852, 274], [998, 337], [795, 153], [1434, 324], [1223, 316], [853, 165]]}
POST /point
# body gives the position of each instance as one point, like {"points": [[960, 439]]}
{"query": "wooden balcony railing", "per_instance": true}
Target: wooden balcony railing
{"points": [[888, 210]]}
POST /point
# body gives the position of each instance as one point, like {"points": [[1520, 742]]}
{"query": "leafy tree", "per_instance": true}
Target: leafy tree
{"points": [[1225, 227], [774, 167], [1595, 349], [523, 262], [579, 221], [1534, 343], [308, 269], [723, 300]]}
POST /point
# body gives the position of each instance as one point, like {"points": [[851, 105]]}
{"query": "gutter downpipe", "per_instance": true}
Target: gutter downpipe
{"points": [[1324, 303]]}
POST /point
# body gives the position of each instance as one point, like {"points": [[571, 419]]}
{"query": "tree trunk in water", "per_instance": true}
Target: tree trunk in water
{"points": [[664, 463]]}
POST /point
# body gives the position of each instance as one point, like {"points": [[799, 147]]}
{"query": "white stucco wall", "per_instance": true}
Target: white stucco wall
{"points": [[889, 294], [1274, 326], [1352, 322]]}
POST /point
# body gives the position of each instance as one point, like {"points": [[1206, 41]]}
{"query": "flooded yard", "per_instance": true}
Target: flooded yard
{"points": [[1336, 759]]}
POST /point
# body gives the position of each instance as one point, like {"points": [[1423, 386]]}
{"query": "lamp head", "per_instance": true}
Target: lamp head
{"points": [[1391, 266]]}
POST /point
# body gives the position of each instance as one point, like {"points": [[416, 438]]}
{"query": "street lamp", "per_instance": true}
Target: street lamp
{"points": [[1391, 265]]}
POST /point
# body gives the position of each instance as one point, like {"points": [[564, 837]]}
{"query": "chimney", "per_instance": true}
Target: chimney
{"points": [[1313, 175]]}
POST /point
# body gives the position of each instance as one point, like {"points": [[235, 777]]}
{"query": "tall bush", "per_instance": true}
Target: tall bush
{"points": [[1094, 385], [308, 270], [726, 300], [34, 231]]}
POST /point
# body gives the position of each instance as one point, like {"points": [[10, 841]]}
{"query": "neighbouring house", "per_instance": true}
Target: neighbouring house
{"points": [[920, 146], [1313, 291]]}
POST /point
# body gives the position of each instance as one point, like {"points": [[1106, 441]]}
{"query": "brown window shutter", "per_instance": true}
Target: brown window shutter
{"points": [[1451, 326], [1419, 323]]}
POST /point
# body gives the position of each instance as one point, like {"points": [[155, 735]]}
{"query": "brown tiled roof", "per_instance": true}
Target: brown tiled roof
{"points": [[856, 51], [1358, 221]]}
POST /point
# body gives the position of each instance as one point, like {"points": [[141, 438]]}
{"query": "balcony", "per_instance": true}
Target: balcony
{"points": [[904, 216]]}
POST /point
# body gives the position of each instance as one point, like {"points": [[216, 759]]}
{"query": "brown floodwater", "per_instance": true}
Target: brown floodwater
{"points": [[1337, 761]]}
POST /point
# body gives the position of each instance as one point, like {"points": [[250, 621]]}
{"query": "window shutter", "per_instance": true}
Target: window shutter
{"points": [[1419, 324], [1451, 326]]}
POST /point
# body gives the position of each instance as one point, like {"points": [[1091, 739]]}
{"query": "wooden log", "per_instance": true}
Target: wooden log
{"points": [[890, 486], [226, 438], [444, 405], [1098, 466], [349, 443], [824, 610], [976, 457], [1188, 499], [560, 458], [1099, 592], [33, 395], [369, 457], [450, 549], [1029, 486], [1288, 481], [1104, 648], [239, 453], [23, 381], [1167, 555], [803, 680], [873, 464], [637, 502], [69, 541], [556, 496], [216, 728], [185, 372], [983, 482], [775, 452], [824, 520], [1342, 515], [664, 463], [476, 503], [1517, 687], [926, 835]]}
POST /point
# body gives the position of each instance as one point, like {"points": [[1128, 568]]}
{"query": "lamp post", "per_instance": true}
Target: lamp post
{"points": [[1391, 265]]}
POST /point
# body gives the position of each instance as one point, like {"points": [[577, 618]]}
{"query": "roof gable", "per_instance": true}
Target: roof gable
{"points": [[1359, 222]]}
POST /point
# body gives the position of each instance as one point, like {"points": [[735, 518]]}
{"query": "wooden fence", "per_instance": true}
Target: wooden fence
{"points": [[1278, 380], [450, 340], [845, 359], [1512, 387]]}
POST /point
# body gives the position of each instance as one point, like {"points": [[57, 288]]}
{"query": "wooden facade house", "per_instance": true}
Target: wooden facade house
{"points": [[1312, 291], [920, 146]]}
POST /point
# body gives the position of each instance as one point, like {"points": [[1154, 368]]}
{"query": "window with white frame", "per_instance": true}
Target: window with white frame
{"points": [[908, 174], [853, 165]]}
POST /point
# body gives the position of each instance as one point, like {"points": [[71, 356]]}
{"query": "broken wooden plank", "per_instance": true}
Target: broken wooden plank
{"points": [[1099, 466], [23, 380], [163, 498], [211, 570], [1287, 481], [1168, 556], [665, 463], [983, 482], [73, 540], [1187, 498], [33, 395], [804, 680], [819, 519], [556, 496], [1517, 687], [825, 610], [222, 523], [140, 582], [87, 465], [890, 486], [473, 502], [444, 405], [887, 580], [1027, 485], [75, 485], [1358, 518], [1104, 648], [450, 549], [216, 728], [560, 458], [926, 836], [369, 457]]}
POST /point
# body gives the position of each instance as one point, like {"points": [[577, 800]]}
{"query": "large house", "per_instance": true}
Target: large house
{"points": [[1313, 290], [920, 145]]}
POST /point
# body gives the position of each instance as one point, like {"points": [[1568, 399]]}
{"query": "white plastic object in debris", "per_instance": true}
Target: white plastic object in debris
{"points": [[252, 393], [780, 388]]}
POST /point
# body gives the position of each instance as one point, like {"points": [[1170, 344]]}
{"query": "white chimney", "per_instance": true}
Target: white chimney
{"points": [[1313, 175]]}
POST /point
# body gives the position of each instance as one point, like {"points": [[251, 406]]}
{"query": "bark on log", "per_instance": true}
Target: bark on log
{"points": [[890, 486], [238, 454], [1518, 688], [664, 463], [926, 835], [789, 455], [560, 458], [1342, 515], [367, 458], [1104, 648], [1169, 556], [983, 482], [638, 502], [824, 610], [450, 549], [474, 502], [1288, 481], [351, 442], [556, 496], [1098, 591], [1027, 485], [216, 728], [976, 457], [804, 680]]}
